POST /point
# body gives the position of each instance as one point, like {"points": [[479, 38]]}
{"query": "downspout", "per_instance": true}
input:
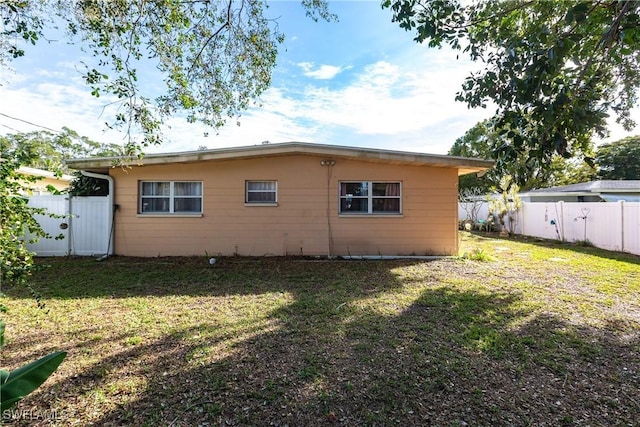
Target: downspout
{"points": [[329, 231], [111, 204], [329, 164]]}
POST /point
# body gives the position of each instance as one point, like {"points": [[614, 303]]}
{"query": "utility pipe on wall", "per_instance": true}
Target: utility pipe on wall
{"points": [[111, 205], [329, 164]]}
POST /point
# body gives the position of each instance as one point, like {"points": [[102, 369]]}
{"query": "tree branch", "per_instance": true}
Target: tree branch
{"points": [[226, 24], [605, 41]]}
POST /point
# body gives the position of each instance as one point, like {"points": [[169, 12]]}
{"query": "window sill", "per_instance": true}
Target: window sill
{"points": [[260, 204], [170, 215]]}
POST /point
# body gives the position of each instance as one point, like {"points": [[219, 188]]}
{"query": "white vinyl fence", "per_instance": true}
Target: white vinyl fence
{"points": [[611, 226], [84, 225]]}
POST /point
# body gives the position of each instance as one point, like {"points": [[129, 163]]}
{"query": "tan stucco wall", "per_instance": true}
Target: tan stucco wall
{"points": [[299, 224]]}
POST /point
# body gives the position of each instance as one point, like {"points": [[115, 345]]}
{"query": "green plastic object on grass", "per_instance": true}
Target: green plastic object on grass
{"points": [[17, 384]]}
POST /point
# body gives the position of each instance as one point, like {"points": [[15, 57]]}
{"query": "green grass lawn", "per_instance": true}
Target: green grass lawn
{"points": [[543, 334]]}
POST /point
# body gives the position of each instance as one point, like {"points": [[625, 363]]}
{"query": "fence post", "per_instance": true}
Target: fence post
{"points": [[70, 222], [621, 204], [562, 219]]}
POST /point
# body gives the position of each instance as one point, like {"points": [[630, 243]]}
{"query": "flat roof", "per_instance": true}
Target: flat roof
{"points": [[25, 170], [589, 188], [464, 165]]}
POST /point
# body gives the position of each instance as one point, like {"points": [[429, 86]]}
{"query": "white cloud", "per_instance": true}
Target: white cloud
{"points": [[257, 126], [383, 100], [54, 105], [386, 104], [323, 72], [389, 104], [405, 110]]}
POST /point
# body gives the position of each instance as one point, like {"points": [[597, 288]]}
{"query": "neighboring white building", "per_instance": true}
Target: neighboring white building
{"points": [[593, 191], [40, 187]]}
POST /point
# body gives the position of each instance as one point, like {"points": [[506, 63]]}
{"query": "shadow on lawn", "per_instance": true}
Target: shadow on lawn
{"points": [[118, 277], [337, 356]]}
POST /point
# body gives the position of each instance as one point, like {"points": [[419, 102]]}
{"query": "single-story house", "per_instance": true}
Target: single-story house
{"points": [[285, 199], [593, 191], [46, 181]]}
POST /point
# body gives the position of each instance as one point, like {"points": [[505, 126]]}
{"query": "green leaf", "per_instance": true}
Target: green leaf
{"points": [[569, 17], [24, 380]]}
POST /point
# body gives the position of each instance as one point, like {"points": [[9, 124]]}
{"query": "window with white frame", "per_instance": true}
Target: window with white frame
{"points": [[370, 197], [261, 192], [170, 197]]}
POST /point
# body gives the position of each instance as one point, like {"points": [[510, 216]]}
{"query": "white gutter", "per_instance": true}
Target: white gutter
{"points": [[110, 204]]}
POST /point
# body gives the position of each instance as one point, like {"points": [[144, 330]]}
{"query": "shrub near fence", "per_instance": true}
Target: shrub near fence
{"points": [[611, 226]]}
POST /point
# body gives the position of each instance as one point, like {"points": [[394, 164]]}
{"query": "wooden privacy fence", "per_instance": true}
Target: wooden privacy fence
{"points": [[84, 225], [611, 226]]}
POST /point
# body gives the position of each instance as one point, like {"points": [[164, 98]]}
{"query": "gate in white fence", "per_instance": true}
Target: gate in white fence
{"points": [[84, 225], [611, 226]]}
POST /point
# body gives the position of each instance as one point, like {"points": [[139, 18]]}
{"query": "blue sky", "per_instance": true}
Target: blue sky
{"points": [[361, 81]]}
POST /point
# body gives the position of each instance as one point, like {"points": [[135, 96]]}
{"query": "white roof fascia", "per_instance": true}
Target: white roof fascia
{"points": [[465, 165]]}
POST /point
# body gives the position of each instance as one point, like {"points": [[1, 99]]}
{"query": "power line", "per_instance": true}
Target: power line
{"points": [[28, 122], [9, 127]]}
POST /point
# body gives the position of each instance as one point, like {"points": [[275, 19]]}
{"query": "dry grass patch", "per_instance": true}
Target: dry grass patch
{"points": [[529, 333]]}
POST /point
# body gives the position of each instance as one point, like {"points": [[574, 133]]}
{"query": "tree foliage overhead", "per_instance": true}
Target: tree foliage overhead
{"points": [[214, 57], [619, 160], [482, 140], [47, 150], [553, 69]]}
